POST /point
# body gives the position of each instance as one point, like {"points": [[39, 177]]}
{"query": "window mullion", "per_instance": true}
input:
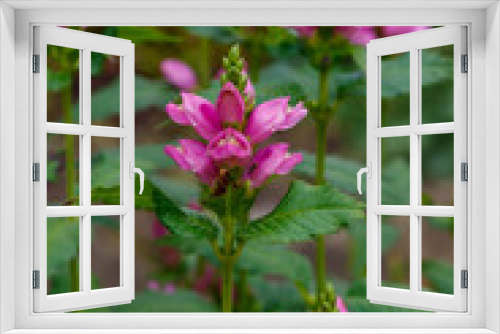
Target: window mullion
{"points": [[414, 171], [86, 190]]}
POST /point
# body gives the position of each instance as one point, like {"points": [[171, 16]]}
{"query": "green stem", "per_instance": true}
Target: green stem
{"points": [[227, 285], [69, 143], [205, 62], [321, 127]]}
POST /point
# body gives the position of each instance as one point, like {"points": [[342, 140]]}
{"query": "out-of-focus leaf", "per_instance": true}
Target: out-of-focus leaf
{"points": [[52, 166], [364, 305], [220, 34], [180, 192], [143, 34], [439, 274], [152, 301], [267, 92], [306, 210], [148, 93], [58, 80], [182, 222], [276, 260], [277, 296], [62, 243]]}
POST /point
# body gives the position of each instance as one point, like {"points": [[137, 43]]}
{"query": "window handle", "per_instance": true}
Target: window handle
{"points": [[368, 171], [139, 171]]}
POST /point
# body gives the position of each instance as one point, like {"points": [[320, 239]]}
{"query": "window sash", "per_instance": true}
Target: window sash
{"points": [[414, 298], [86, 43]]}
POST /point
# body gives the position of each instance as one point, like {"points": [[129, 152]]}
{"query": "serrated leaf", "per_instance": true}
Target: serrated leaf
{"points": [[306, 210], [182, 222]]}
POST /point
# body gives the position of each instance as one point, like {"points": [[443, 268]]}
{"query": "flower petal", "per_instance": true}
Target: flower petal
{"points": [[288, 163], [230, 104], [177, 114], [228, 144], [293, 116], [265, 119], [177, 155], [178, 74], [202, 115]]}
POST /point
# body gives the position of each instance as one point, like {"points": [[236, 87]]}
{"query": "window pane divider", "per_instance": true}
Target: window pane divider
{"points": [[419, 129], [80, 130]]}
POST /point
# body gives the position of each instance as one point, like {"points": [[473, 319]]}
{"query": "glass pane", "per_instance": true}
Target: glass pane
{"points": [[395, 168], [105, 170], [105, 89], [63, 255], [395, 86], [63, 167], [437, 254], [63, 84], [437, 169], [437, 84], [105, 252], [395, 251]]}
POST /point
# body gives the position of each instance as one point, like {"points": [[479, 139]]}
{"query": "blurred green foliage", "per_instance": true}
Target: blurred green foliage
{"points": [[278, 63]]}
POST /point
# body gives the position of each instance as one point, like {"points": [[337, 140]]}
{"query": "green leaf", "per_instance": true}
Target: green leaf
{"points": [[224, 35], [277, 296], [268, 91], [148, 93], [440, 275], [52, 166], [183, 222], [152, 301], [306, 210], [276, 260], [62, 243], [364, 305]]}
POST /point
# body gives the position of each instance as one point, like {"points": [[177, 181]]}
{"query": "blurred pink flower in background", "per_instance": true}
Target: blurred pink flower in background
{"points": [[340, 305], [179, 74], [398, 30], [153, 285], [171, 256], [202, 284], [169, 288], [158, 229], [305, 32], [357, 35]]}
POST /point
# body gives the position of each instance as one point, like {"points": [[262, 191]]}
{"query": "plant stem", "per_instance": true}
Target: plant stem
{"points": [[227, 271], [69, 143], [227, 285], [321, 127]]}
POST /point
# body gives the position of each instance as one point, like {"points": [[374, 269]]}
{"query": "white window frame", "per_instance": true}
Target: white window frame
{"points": [[413, 44], [85, 43], [16, 21]]}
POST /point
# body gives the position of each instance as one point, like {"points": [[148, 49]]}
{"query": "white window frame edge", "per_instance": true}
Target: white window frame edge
{"points": [[15, 126]]}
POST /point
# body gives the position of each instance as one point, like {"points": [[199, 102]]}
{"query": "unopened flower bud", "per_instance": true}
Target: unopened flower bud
{"points": [[225, 63]]}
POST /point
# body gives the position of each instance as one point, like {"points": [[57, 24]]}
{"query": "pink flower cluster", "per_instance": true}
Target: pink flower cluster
{"points": [[360, 35], [154, 285], [231, 132]]}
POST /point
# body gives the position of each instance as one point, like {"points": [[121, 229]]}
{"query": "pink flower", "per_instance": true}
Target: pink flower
{"points": [[202, 115], [169, 288], [190, 156], [230, 104], [271, 160], [158, 229], [177, 114], [358, 35], [398, 30], [153, 285], [293, 116], [266, 119], [340, 305], [305, 32], [230, 146], [178, 74]]}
